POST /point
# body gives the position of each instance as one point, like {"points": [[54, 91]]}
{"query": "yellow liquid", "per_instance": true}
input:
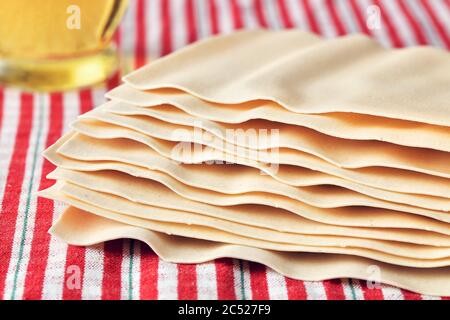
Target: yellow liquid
{"points": [[58, 44]]}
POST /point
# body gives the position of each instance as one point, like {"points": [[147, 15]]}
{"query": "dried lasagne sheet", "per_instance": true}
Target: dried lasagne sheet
{"points": [[318, 158], [80, 228]]}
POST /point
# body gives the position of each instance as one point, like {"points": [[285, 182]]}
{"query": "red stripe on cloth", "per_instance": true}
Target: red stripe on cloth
{"points": [[187, 282], [259, 12], [391, 30], [440, 26], [312, 21], [112, 270], [75, 257], [284, 13], [212, 6], [191, 22], [86, 101], [13, 188], [166, 28], [337, 23], [237, 15], [149, 273], [408, 295], [140, 49], [413, 23], [225, 279], [34, 279], [371, 293], [258, 281], [296, 289], [117, 37], [359, 17], [334, 289], [114, 80]]}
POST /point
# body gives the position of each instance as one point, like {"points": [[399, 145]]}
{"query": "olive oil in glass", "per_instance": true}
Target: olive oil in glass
{"points": [[50, 45]]}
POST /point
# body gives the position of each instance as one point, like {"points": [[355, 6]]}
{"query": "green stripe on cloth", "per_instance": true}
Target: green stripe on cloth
{"points": [[241, 270], [352, 288], [130, 271], [30, 187]]}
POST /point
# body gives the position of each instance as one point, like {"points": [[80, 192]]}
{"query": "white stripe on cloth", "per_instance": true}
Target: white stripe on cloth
{"points": [[224, 16], [128, 42], [248, 14], [272, 14], [136, 272], [167, 280], [98, 96], [323, 17], [391, 293], [20, 252], [425, 22], [56, 264], [153, 29], [247, 285], [130, 277], [237, 279], [178, 24], [93, 273], [400, 23], [347, 16], [379, 33], [71, 109], [276, 284], [206, 281], [241, 280], [298, 15], [125, 288], [202, 18], [315, 290]]}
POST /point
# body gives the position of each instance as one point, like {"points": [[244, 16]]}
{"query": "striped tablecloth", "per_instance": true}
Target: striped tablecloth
{"points": [[34, 265]]}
